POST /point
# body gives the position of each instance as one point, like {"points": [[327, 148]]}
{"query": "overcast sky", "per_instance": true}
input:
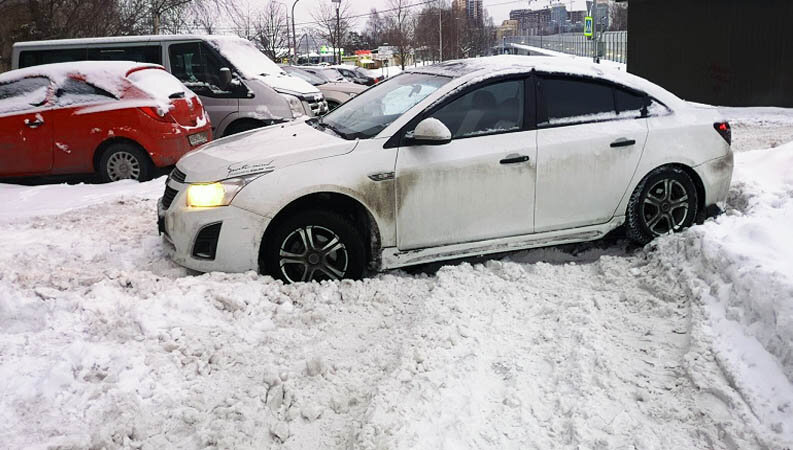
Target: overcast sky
{"points": [[498, 9]]}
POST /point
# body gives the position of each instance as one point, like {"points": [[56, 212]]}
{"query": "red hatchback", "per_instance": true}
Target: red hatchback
{"points": [[119, 119]]}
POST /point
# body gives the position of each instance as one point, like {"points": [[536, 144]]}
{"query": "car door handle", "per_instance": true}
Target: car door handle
{"points": [[514, 158], [34, 123], [622, 142]]}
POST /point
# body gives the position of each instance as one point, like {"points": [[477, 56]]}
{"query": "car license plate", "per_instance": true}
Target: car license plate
{"points": [[198, 138]]}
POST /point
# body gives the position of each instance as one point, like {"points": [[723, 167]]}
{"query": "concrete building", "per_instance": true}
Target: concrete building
{"points": [[507, 29], [721, 52]]}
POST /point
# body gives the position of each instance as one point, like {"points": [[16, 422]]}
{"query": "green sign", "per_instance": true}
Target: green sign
{"points": [[588, 26]]}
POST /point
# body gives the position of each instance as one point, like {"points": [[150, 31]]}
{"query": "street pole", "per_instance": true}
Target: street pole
{"points": [[440, 31], [294, 35], [338, 35], [596, 57]]}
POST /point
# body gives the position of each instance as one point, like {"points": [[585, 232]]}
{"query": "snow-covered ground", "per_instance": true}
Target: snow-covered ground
{"points": [[687, 343]]}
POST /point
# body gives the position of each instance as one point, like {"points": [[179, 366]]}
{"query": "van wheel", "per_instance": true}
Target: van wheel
{"points": [[665, 201], [313, 246], [125, 161]]}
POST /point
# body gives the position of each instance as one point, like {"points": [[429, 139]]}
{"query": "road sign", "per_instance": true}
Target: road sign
{"points": [[588, 26]]}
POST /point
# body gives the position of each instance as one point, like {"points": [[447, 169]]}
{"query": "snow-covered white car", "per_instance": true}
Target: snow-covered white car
{"points": [[453, 160]]}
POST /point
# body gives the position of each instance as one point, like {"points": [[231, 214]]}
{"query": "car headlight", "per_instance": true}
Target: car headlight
{"points": [[295, 105], [220, 193]]}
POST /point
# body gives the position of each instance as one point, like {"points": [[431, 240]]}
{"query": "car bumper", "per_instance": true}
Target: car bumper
{"points": [[184, 230], [170, 147], [716, 176]]}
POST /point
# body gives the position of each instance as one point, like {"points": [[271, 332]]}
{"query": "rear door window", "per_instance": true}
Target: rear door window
{"points": [[631, 103], [77, 92], [24, 94], [569, 100]]}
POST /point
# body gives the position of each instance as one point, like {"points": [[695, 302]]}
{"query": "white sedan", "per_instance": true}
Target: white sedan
{"points": [[458, 159]]}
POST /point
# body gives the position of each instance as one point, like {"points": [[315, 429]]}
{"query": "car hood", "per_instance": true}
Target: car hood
{"points": [[291, 85], [343, 86], [263, 150]]}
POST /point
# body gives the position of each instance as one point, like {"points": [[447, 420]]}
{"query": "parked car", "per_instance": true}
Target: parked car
{"points": [[453, 160], [335, 92], [239, 86], [328, 74], [119, 119], [357, 75]]}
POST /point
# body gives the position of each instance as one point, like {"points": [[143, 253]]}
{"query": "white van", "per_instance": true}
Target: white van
{"points": [[240, 87]]}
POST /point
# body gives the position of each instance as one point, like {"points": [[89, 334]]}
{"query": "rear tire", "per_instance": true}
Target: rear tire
{"points": [[664, 201], [313, 246], [125, 161]]}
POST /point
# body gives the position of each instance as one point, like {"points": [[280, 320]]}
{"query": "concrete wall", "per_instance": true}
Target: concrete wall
{"points": [[722, 52]]}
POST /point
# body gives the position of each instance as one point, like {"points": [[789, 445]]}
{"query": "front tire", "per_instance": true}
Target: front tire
{"points": [[313, 246], [125, 161], [665, 201]]}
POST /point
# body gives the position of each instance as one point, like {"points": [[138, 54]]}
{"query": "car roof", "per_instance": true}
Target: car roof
{"points": [[473, 69], [102, 74], [122, 40]]}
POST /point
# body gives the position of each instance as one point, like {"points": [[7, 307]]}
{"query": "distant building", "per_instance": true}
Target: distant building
{"points": [[473, 10], [721, 52], [507, 29]]}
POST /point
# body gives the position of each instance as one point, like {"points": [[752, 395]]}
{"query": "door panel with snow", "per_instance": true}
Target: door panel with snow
{"points": [[479, 186], [26, 137], [588, 149]]}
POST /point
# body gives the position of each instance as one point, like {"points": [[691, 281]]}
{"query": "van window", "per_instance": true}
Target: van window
{"points": [[198, 68], [145, 53], [29, 58]]}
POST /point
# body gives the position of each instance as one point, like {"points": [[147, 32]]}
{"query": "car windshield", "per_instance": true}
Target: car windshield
{"points": [[245, 57], [369, 113], [303, 75]]}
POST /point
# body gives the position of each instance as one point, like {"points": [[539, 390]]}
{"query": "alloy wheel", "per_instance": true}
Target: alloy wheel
{"points": [[313, 253], [665, 207], [123, 166]]}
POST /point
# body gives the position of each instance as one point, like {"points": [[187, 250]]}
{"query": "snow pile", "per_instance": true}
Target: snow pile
{"points": [[739, 270], [104, 342]]}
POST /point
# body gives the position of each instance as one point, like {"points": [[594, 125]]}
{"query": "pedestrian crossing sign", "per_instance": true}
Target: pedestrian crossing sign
{"points": [[588, 26]]}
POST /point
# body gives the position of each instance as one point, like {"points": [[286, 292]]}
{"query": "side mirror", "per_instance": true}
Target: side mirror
{"points": [[431, 131], [225, 77]]}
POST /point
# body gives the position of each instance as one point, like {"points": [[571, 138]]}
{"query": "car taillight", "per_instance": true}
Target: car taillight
{"points": [[197, 104], [154, 113], [723, 128]]}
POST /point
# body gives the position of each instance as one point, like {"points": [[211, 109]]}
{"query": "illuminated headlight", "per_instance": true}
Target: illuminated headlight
{"points": [[221, 193], [294, 104]]}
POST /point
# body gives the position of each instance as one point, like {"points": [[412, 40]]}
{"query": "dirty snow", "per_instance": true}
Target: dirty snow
{"points": [[686, 343]]}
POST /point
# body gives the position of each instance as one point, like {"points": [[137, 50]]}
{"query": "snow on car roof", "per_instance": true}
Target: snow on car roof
{"points": [[102, 74], [475, 69]]}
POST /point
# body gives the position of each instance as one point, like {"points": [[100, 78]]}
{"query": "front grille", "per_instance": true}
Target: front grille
{"points": [[206, 242], [319, 108], [168, 196], [177, 175]]}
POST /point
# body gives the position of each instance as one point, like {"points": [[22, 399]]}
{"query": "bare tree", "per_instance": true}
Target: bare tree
{"points": [[618, 16], [203, 15], [160, 8], [242, 17], [325, 17], [375, 27], [272, 30], [400, 28]]}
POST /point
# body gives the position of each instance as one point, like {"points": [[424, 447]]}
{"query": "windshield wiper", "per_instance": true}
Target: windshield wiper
{"points": [[177, 95]]}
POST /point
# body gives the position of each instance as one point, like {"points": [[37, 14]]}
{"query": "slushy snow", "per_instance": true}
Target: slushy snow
{"points": [[686, 343]]}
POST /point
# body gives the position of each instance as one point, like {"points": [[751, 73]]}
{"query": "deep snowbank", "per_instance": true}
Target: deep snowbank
{"points": [[739, 270]]}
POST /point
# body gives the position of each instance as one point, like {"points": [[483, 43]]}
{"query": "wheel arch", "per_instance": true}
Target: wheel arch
{"points": [[107, 143], [239, 121], [336, 202]]}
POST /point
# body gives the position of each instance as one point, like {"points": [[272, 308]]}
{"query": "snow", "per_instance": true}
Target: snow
{"points": [[685, 343], [246, 58]]}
